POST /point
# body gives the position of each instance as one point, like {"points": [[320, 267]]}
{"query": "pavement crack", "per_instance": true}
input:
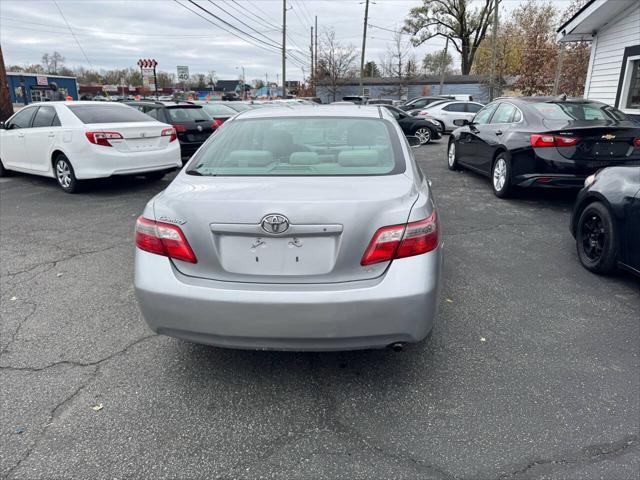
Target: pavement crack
{"points": [[21, 323], [73, 363], [54, 414], [586, 455]]}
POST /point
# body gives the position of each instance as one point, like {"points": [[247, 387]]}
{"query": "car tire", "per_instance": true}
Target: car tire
{"points": [[155, 176], [452, 156], [424, 134], [65, 175], [501, 176], [3, 171], [596, 239]]}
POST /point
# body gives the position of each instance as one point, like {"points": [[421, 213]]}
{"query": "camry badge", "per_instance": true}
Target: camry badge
{"points": [[274, 223], [608, 136]]}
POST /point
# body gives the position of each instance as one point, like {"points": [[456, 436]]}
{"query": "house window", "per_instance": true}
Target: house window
{"points": [[630, 91], [633, 91]]}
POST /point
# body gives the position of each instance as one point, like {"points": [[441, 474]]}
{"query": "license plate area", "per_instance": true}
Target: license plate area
{"points": [[276, 256], [610, 149]]}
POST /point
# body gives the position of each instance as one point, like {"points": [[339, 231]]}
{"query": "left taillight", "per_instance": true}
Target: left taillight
{"points": [[163, 239], [103, 138], [636, 142], [546, 141], [401, 241], [171, 133]]}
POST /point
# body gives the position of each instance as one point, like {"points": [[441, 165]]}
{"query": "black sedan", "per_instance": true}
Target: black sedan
{"points": [[425, 130], [543, 142], [606, 220]]}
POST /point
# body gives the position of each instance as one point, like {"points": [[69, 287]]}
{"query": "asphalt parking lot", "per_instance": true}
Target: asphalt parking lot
{"points": [[532, 370]]}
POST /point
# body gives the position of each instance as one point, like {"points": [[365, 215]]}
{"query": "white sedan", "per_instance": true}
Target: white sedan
{"points": [[446, 112], [74, 141]]}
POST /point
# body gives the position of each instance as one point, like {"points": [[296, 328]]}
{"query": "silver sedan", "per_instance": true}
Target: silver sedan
{"points": [[294, 229]]}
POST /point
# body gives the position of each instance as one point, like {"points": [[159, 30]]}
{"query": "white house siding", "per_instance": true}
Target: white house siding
{"points": [[622, 32]]}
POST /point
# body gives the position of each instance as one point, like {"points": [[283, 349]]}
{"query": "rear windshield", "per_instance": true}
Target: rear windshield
{"points": [[301, 146], [218, 109], [240, 107], [578, 111], [187, 114], [108, 113]]}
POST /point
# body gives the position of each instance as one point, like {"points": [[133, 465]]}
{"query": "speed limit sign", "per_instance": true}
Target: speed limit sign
{"points": [[183, 73]]}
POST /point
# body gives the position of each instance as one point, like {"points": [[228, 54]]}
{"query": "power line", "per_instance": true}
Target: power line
{"points": [[74, 35], [270, 25], [260, 44], [275, 45]]}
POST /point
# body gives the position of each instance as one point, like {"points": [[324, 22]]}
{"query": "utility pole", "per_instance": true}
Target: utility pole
{"points": [[492, 90], [315, 56], [6, 107], [556, 82], [266, 79], [442, 65], [284, 48], [364, 43], [311, 79]]}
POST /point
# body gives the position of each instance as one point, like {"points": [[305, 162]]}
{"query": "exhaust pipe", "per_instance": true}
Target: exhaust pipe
{"points": [[397, 347]]}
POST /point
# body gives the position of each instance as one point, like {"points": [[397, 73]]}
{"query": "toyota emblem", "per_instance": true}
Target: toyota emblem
{"points": [[199, 128], [275, 223]]}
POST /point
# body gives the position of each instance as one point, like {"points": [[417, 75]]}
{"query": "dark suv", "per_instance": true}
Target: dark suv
{"points": [[192, 123]]}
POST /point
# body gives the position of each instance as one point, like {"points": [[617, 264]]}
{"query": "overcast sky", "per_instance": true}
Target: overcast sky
{"points": [[116, 33]]}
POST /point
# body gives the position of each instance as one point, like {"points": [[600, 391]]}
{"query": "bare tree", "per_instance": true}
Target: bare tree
{"points": [[53, 62], [395, 62], [453, 19], [335, 61]]}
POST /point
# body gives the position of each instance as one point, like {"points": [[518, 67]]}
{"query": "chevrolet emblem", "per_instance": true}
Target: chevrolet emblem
{"points": [[608, 136]]}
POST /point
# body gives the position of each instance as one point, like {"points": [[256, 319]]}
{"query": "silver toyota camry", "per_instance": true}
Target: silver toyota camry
{"points": [[307, 228]]}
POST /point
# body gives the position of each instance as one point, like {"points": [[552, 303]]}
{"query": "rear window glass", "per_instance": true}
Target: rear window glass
{"points": [[302, 146], [108, 113], [240, 107], [217, 109], [578, 111], [187, 114]]}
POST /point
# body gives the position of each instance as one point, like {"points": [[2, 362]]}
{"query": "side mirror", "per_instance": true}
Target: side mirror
{"points": [[461, 122], [414, 141]]}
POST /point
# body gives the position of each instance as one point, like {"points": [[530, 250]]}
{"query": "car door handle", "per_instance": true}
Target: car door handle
{"points": [[21, 135], [498, 132], [51, 135]]}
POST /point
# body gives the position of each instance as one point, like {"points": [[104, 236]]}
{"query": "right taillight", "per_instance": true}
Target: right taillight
{"points": [[400, 241], [103, 138], [163, 239], [169, 132], [216, 123], [636, 142], [546, 140]]}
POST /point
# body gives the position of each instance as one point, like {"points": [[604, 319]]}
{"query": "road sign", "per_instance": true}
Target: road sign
{"points": [[183, 73]]}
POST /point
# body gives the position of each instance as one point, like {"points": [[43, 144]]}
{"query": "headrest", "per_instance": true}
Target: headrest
{"points": [[304, 158], [358, 158], [251, 158]]}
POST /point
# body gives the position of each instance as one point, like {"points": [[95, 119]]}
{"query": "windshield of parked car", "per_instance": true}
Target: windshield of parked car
{"points": [[106, 113], [578, 111], [240, 107], [301, 146], [187, 114], [218, 109]]}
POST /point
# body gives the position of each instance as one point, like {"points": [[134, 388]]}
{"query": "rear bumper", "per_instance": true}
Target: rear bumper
{"points": [[399, 306], [550, 180], [107, 162], [187, 149]]}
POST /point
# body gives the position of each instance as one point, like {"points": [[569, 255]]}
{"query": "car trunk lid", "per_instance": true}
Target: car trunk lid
{"points": [[600, 141], [284, 229], [136, 136]]}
